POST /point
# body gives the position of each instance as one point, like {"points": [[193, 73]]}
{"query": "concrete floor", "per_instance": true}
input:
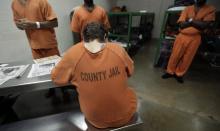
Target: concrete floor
{"points": [[164, 105]]}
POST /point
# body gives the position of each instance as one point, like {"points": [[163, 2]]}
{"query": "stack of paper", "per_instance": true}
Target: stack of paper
{"points": [[3, 65], [47, 59], [7, 73], [43, 66]]}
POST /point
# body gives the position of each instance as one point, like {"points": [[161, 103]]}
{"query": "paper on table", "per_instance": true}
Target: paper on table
{"points": [[42, 69], [7, 73], [46, 59], [21, 73], [11, 72], [3, 65], [2, 81]]}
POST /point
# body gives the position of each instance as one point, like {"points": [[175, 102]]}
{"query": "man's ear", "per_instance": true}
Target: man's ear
{"points": [[105, 36]]}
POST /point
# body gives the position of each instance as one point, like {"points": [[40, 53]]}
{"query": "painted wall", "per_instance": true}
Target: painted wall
{"points": [[156, 6], [14, 45]]}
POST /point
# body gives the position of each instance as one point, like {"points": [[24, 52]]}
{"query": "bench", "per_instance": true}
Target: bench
{"points": [[68, 121]]}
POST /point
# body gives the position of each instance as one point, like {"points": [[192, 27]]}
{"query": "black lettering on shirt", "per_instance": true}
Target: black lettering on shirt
{"points": [[117, 71], [114, 72], [95, 76], [82, 76], [110, 76], [104, 73], [100, 75], [90, 77], [86, 76]]}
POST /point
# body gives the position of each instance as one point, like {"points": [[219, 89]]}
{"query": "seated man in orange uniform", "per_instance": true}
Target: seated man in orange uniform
{"points": [[86, 14], [193, 21], [38, 20], [99, 71]]}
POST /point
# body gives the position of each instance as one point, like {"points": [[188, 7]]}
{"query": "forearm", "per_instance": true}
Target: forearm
{"points": [[77, 37], [201, 25], [183, 24], [49, 24]]}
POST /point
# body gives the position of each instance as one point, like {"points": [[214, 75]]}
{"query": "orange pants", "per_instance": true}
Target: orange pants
{"points": [[123, 121], [184, 50], [41, 53]]}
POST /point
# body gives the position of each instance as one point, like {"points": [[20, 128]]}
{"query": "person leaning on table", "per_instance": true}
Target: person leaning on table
{"points": [[38, 20], [99, 71]]}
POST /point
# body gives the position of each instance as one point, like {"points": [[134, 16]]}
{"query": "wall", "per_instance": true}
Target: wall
{"points": [[13, 42], [156, 6], [14, 45]]}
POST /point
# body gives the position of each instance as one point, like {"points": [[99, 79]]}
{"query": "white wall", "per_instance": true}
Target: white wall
{"points": [[13, 42], [158, 7], [14, 45]]}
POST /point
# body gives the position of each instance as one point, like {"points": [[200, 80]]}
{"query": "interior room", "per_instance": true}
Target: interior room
{"points": [[110, 65]]}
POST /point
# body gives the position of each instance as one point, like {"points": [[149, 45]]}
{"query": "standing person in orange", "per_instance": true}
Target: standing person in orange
{"points": [[85, 14], [193, 21], [38, 20], [99, 71]]}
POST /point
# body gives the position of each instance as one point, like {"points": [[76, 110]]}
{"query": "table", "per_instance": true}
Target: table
{"points": [[24, 84]]}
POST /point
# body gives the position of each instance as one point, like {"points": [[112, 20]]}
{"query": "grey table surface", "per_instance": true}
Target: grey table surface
{"points": [[68, 121], [24, 84]]}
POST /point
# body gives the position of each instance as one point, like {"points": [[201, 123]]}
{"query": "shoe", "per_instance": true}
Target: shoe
{"points": [[50, 93], [179, 79], [167, 75]]}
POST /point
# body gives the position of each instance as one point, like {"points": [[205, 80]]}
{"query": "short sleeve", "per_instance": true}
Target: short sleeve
{"points": [[121, 52], [183, 15], [75, 23], [62, 72], [210, 16], [47, 10], [129, 64], [15, 14], [105, 19]]}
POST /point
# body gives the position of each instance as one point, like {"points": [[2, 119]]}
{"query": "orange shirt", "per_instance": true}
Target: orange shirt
{"points": [[82, 17], [207, 13], [100, 79], [36, 11]]}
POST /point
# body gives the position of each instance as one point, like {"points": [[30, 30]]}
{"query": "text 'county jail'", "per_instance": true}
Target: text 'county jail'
{"points": [[99, 76]]}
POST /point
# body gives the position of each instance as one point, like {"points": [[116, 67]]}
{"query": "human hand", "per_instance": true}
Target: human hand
{"points": [[19, 24], [27, 25]]}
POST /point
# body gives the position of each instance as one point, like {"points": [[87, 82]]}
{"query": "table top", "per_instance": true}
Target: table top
{"points": [[24, 84]]}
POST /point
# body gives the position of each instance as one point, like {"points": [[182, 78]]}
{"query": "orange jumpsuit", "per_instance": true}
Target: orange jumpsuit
{"points": [[82, 17], [43, 42], [188, 41], [100, 78]]}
